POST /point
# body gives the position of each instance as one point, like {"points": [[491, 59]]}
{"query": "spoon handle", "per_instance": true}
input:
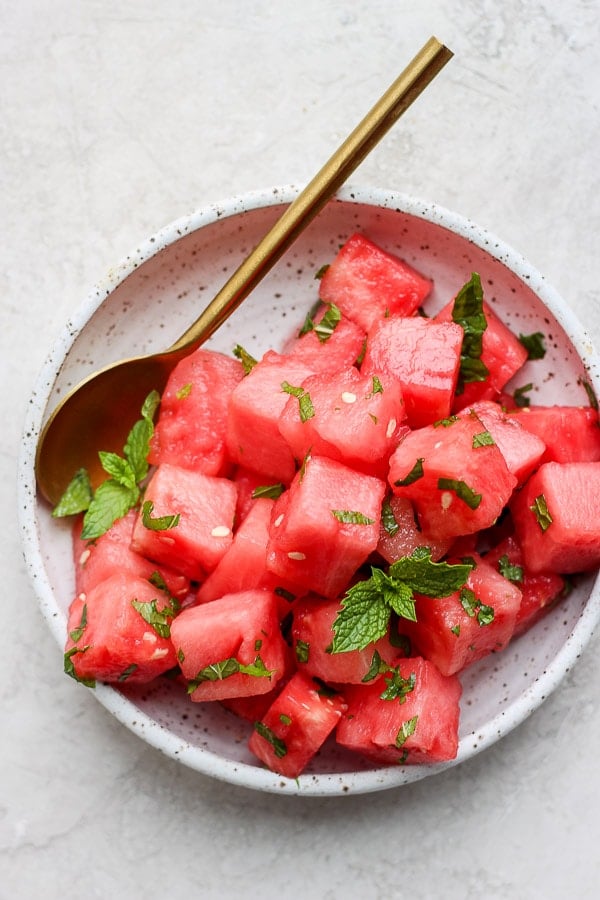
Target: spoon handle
{"points": [[432, 57]]}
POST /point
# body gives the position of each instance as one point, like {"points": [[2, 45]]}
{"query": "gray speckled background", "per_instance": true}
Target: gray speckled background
{"points": [[116, 119]]}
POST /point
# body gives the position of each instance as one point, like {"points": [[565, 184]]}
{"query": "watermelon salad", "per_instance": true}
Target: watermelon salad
{"points": [[323, 539]]}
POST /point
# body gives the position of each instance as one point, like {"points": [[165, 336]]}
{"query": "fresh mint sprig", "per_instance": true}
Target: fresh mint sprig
{"points": [[121, 490], [368, 605]]}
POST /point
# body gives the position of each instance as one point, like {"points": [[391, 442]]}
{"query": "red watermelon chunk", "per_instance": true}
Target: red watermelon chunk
{"points": [[522, 449], [355, 419], [244, 564], [110, 553], [253, 437], [502, 353], [312, 632], [110, 640], [212, 641], [399, 534], [538, 592], [458, 483], [190, 430], [296, 726], [570, 433], [418, 726], [557, 518], [368, 284], [309, 543], [456, 631], [206, 507], [424, 357], [337, 351]]}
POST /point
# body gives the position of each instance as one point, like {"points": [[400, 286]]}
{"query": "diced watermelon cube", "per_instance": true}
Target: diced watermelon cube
{"points": [[354, 418], [424, 356], [295, 727], [557, 518], [110, 553], [418, 724], [253, 437], [212, 641], [502, 354], [336, 351], [522, 450], [244, 564], [206, 507], [457, 482], [367, 283], [325, 526], [111, 640], [539, 592], [570, 433], [312, 633], [456, 631], [399, 534], [190, 431]]}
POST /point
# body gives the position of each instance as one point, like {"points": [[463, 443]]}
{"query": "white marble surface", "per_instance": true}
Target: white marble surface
{"points": [[116, 118]]}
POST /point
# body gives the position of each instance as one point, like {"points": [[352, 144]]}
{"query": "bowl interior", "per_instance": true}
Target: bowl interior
{"points": [[151, 298]]}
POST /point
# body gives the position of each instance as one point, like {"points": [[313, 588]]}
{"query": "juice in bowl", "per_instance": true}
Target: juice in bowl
{"points": [[152, 297]]}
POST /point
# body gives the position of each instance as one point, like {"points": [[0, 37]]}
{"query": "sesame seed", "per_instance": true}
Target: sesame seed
{"points": [[85, 556], [446, 499]]}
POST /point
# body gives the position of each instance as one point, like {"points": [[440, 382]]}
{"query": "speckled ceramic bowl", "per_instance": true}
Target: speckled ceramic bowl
{"points": [[152, 296]]}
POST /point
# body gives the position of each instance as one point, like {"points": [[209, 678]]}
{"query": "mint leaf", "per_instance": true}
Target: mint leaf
{"points": [[272, 491], [388, 519], [248, 362], [70, 668], [77, 633], [302, 650], [367, 606], [158, 523], [429, 578], [158, 619], [467, 311], [119, 469], [398, 687], [305, 405], [534, 344], [362, 620], [483, 439], [377, 386], [474, 608], [137, 448], [126, 673], [111, 501], [279, 747], [462, 490], [406, 730], [225, 668], [541, 512], [519, 395], [592, 399], [184, 391], [328, 323], [76, 497], [351, 517], [509, 570], [415, 473]]}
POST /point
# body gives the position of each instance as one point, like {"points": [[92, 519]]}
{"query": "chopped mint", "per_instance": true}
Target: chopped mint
{"points": [[534, 344], [368, 605], [415, 473], [541, 512], [462, 490], [158, 523]]}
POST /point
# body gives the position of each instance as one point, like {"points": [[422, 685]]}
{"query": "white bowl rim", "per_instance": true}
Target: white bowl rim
{"points": [[201, 759]]}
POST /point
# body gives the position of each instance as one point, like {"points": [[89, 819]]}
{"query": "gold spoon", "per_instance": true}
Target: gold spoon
{"points": [[98, 413]]}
